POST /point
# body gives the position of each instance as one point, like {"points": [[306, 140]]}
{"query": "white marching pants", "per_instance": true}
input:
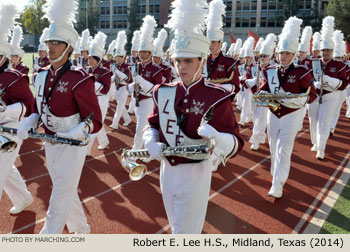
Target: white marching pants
{"points": [[185, 191], [281, 134], [239, 99], [320, 116], [246, 112], [260, 124], [101, 135], [342, 98], [131, 107], [10, 179], [121, 95], [142, 112], [65, 164], [347, 115]]}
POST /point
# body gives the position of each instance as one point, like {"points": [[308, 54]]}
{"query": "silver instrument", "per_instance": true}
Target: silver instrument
{"points": [[2, 103], [6, 145], [138, 171]]}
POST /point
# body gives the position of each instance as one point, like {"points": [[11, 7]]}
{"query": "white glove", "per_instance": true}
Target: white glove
{"points": [[317, 84], [297, 101], [228, 87], [333, 82], [207, 131], [241, 78], [78, 132], [155, 149], [288, 100], [98, 88], [13, 112], [264, 92], [26, 125], [251, 82]]}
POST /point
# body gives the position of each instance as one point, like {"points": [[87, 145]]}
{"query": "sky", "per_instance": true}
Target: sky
{"points": [[20, 3]]}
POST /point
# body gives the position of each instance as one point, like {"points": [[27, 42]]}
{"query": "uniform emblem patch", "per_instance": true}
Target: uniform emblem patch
{"points": [[221, 68], [291, 78], [62, 87], [197, 107], [333, 70], [148, 74], [182, 42]]}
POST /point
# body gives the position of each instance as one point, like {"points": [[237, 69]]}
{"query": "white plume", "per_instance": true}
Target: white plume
{"points": [[249, 47], [215, 15], [238, 46], [8, 14], [84, 44], [269, 44], [231, 50], [61, 11], [112, 46], [121, 40], [188, 16], [99, 40], [306, 37], [258, 45], [160, 40], [44, 36], [224, 47], [291, 31], [17, 36], [77, 46], [316, 39], [136, 38], [147, 28], [90, 38], [339, 43], [327, 28]]}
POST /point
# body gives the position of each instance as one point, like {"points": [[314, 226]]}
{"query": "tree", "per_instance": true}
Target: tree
{"points": [[32, 17], [340, 10], [132, 20], [93, 16], [290, 8]]}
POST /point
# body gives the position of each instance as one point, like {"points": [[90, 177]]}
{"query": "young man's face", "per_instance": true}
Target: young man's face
{"points": [[215, 47], [120, 59], [14, 59], [144, 55], [187, 68], [285, 58], [327, 54], [92, 61], [56, 49]]}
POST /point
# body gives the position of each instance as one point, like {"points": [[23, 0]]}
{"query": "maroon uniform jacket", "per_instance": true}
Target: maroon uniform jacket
{"points": [[74, 93], [166, 73], [152, 73], [222, 67], [106, 63], [44, 61], [125, 68], [22, 68], [249, 75], [85, 63], [305, 62], [16, 89], [186, 99], [295, 79], [102, 75]]}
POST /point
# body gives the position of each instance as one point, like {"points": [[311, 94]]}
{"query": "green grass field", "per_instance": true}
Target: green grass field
{"points": [[338, 221]]}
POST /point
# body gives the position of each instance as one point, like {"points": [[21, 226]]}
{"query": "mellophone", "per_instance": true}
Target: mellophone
{"points": [[138, 171], [6, 145]]}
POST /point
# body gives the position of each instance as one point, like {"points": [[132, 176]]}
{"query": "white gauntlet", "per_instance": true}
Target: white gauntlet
{"points": [[98, 88], [144, 84], [26, 125], [152, 144], [251, 82], [333, 82], [78, 132], [122, 76], [13, 112]]}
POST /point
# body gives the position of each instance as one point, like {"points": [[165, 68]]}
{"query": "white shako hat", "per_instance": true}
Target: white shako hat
{"points": [[97, 46], [146, 34], [135, 41], [42, 46], [224, 47], [268, 45], [8, 14], [214, 20], [238, 46], [187, 21], [304, 45], [316, 40], [77, 46], [258, 45], [289, 38], [231, 50], [111, 47], [84, 43], [17, 37], [61, 15], [339, 44], [248, 49], [242, 49], [120, 44], [159, 42], [327, 33]]}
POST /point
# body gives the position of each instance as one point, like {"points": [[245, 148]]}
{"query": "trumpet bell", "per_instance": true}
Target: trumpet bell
{"points": [[6, 145], [137, 171]]}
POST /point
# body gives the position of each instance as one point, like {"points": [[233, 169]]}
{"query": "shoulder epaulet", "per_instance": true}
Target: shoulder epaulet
{"points": [[46, 68], [228, 56], [158, 66], [301, 66], [79, 69], [214, 86], [13, 71]]}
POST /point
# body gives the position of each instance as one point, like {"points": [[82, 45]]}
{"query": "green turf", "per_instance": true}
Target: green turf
{"points": [[338, 221], [28, 60]]}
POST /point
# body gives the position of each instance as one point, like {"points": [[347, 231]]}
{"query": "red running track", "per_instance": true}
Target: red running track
{"points": [[238, 202]]}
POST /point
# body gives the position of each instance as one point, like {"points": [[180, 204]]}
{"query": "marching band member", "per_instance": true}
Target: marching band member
{"points": [[240, 61], [316, 40], [176, 120], [158, 54], [133, 60], [329, 75], [147, 75], [103, 76], [231, 50], [260, 119], [110, 55], [219, 67], [339, 55], [283, 123], [247, 115], [122, 79], [18, 100], [17, 52], [257, 48], [43, 60], [84, 48], [224, 48], [65, 96], [77, 61]]}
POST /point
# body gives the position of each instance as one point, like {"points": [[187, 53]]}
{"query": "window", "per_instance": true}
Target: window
{"points": [[228, 22], [114, 10], [103, 25], [245, 22], [229, 6], [156, 7], [103, 10], [263, 22], [238, 22], [271, 22], [120, 10]]}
